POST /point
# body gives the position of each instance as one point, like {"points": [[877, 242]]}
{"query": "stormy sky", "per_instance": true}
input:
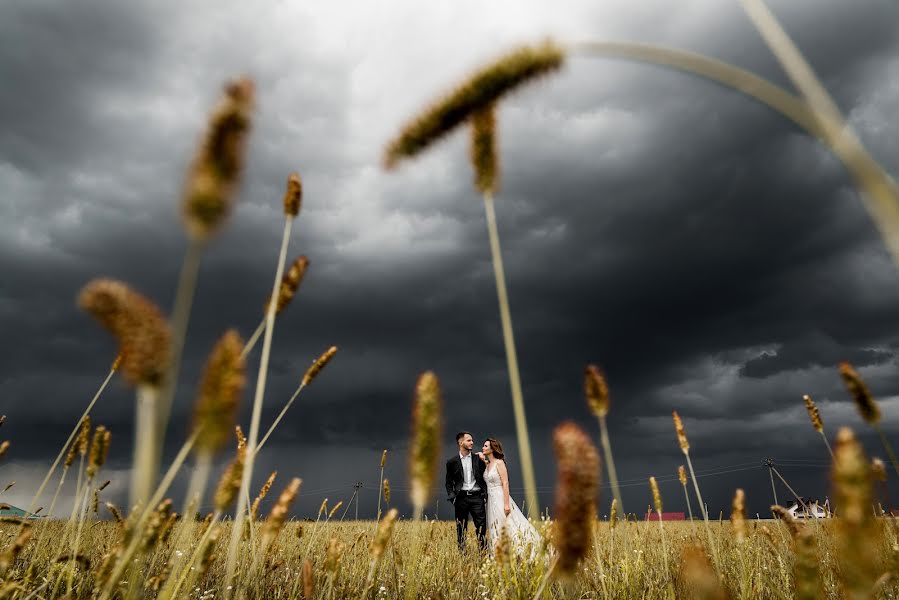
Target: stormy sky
{"points": [[708, 254]]}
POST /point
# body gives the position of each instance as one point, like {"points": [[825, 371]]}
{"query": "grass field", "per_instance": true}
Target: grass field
{"points": [[422, 561]]}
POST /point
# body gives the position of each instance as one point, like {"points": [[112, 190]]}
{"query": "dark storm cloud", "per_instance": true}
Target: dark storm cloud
{"points": [[709, 255]]}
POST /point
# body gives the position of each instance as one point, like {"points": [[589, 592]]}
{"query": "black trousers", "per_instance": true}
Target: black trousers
{"points": [[475, 506]]}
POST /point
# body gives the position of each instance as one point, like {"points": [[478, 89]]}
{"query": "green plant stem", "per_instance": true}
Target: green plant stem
{"points": [[242, 502], [521, 426]]}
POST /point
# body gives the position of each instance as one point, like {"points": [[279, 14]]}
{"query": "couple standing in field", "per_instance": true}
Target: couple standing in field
{"points": [[477, 484]]}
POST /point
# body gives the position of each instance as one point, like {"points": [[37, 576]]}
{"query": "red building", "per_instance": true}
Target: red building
{"points": [[666, 516]]}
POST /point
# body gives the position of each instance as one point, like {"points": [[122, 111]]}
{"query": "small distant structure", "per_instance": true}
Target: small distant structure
{"points": [[8, 510], [666, 516], [813, 509]]}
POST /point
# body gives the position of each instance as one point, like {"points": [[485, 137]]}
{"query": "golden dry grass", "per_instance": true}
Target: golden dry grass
{"points": [[423, 561]]}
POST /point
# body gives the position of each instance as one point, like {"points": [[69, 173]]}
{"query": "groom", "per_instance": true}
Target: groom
{"points": [[466, 489]]}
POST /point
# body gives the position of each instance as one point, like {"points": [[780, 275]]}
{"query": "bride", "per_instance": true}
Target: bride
{"points": [[501, 509]]}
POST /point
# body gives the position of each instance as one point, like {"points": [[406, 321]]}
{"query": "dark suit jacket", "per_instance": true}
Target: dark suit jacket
{"points": [[455, 476]]}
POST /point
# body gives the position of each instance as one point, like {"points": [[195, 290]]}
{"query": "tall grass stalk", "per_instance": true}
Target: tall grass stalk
{"points": [[521, 427], [380, 488], [685, 448], [146, 443], [280, 416], [252, 438], [187, 575], [251, 343], [184, 297], [882, 194], [65, 446], [145, 512]]}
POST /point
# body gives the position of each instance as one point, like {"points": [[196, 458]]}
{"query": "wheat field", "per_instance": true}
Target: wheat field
{"points": [[423, 561]]}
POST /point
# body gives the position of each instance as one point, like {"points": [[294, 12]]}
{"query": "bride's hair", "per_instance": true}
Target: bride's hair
{"points": [[497, 448]]}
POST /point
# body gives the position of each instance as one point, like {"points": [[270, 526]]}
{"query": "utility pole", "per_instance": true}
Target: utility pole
{"points": [[357, 486], [769, 462]]}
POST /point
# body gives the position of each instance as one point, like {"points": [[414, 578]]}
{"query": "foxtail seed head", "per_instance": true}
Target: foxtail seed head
{"points": [[155, 526], [385, 530], [207, 555], [858, 535], [290, 283], [293, 196], [4, 447], [333, 555], [219, 395], [878, 470], [482, 89], [864, 401], [699, 576], [806, 566], [84, 436], [115, 512], [215, 173], [383, 458], [117, 362], [484, 157], [578, 480], [682, 475], [278, 516], [813, 413], [738, 515], [681, 433], [99, 450], [335, 509], [613, 513], [241, 438], [308, 580], [596, 391], [386, 489], [11, 553], [229, 484], [426, 431], [656, 495], [263, 492], [317, 365], [787, 517], [851, 479], [141, 329]]}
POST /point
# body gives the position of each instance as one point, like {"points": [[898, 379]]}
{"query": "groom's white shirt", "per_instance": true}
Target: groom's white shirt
{"points": [[468, 482]]}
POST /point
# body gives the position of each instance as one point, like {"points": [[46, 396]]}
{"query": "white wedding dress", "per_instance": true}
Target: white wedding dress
{"points": [[521, 532]]}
